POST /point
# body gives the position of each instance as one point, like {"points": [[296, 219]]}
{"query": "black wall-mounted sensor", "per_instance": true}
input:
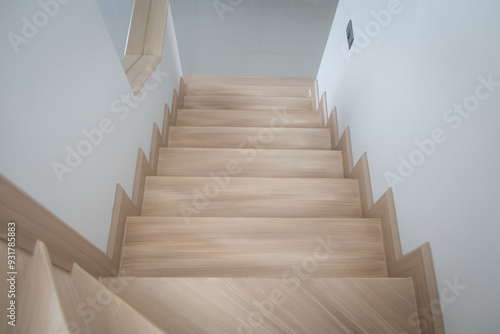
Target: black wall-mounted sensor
{"points": [[350, 34]]}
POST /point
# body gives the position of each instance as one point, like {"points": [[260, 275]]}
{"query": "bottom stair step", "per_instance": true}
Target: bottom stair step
{"points": [[266, 305]]}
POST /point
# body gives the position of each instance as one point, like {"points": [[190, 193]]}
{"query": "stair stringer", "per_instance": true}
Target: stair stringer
{"points": [[417, 264], [105, 312], [125, 206]]}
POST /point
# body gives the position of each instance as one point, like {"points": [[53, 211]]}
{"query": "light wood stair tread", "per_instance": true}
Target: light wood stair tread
{"points": [[248, 102], [248, 118], [252, 247], [266, 305], [251, 197], [247, 137], [266, 163]]}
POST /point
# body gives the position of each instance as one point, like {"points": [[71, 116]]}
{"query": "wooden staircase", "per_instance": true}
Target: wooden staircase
{"points": [[247, 225]]}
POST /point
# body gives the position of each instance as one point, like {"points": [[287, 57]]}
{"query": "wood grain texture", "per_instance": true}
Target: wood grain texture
{"points": [[154, 152], [155, 36], [122, 207], [267, 305], [22, 260], [385, 210], [142, 170], [182, 93], [247, 90], [165, 129], [250, 138], [251, 197], [44, 309], [258, 81], [417, 264], [323, 110], [315, 95], [175, 107], [346, 148], [252, 247], [144, 47], [129, 60], [138, 27], [69, 300], [267, 163], [115, 316], [332, 124], [33, 222], [247, 103], [250, 118], [140, 72], [361, 172]]}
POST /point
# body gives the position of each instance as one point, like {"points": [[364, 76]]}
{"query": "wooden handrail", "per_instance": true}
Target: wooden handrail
{"points": [[145, 41]]}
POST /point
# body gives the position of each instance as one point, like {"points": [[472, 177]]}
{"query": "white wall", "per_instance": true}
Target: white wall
{"points": [[394, 90], [283, 38], [64, 80]]}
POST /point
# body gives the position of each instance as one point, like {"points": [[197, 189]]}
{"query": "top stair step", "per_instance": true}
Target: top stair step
{"points": [[246, 90], [248, 103], [254, 81]]}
